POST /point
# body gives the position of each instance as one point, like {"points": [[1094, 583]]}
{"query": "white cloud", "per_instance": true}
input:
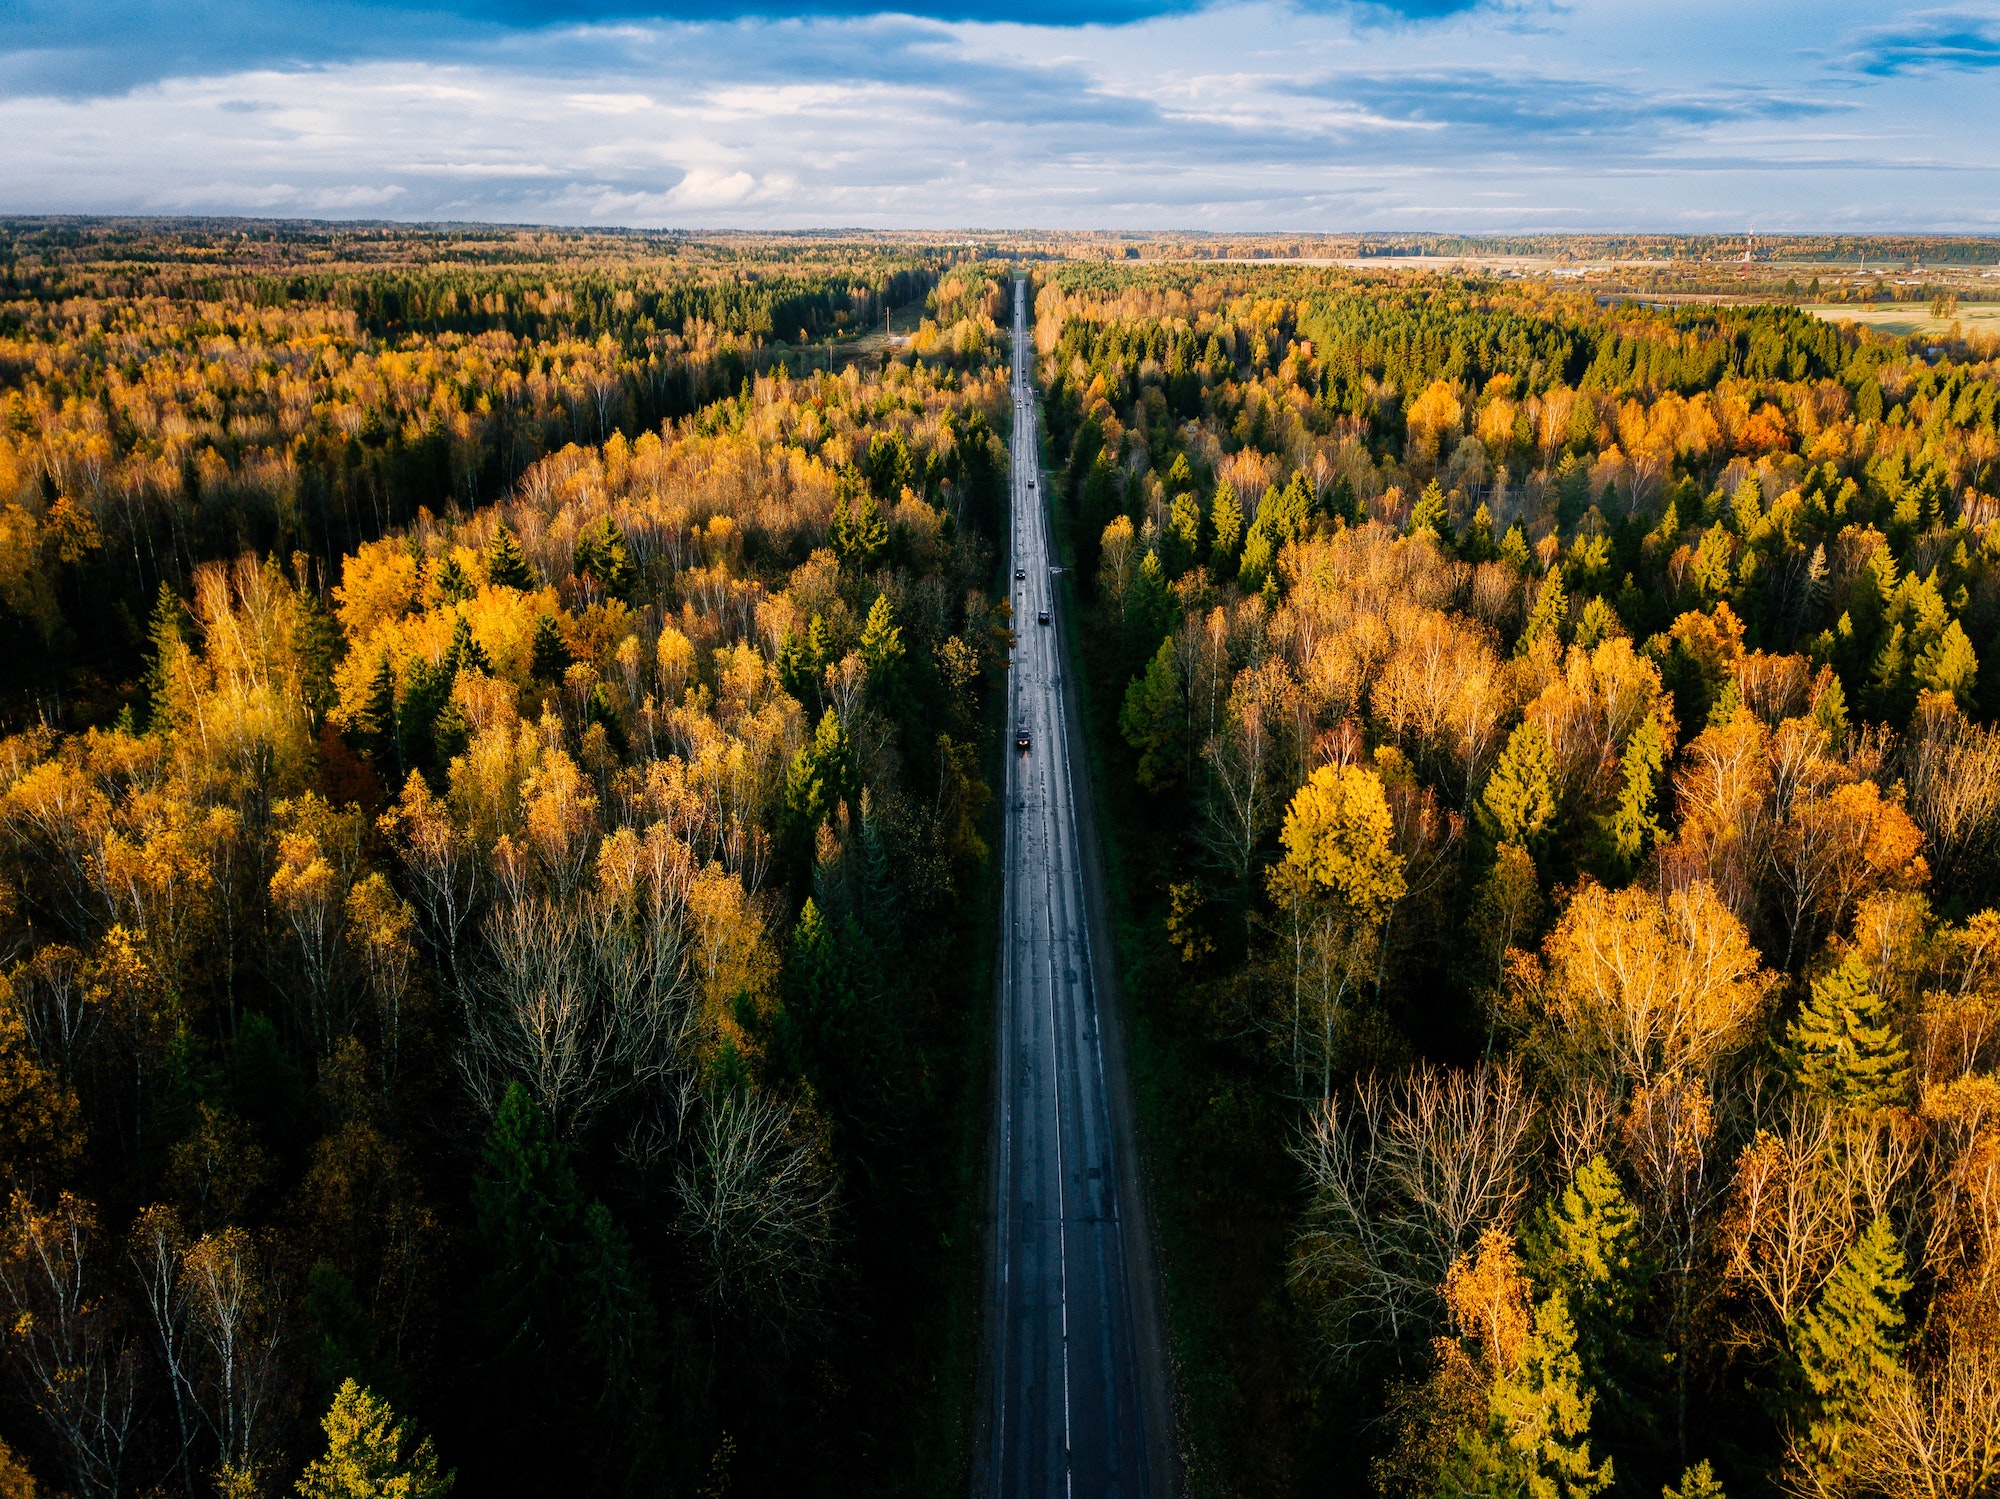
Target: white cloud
{"points": [[1606, 113]]}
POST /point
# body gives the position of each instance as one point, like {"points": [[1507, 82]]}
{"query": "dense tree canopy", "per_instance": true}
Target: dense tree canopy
{"points": [[1562, 778], [498, 996]]}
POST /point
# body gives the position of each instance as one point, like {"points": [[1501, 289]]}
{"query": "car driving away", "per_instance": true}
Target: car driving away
{"points": [[1042, 618]]}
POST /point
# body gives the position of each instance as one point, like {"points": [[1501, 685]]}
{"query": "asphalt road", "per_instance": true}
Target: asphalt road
{"points": [[1074, 1383]]}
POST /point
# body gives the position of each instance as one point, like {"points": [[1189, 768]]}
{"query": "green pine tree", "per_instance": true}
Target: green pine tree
{"points": [[528, 1210], [1829, 707], [1949, 664], [601, 555], [858, 532], [465, 653], [802, 662], [1747, 505], [370, 1454], [1431, 515], [550, 657], [423, 710], [317, 638], [1519, 801], [1889, 674], [1546, 618], [817, 781], [1843, 1045], [1514, 550], [453, 585], [1698, 1482], [1182, 539], [1149, 609], [1226, 519], [1586, 1241], [1478, 545], [1596, 623], [1727, 704], [1255, 568], [882, 646], [380, 721], [1847, 1340], [1536, 1443], [1667, 534], [1633, 825], [1154, 720], [617, 1339], [166, 637], [506, 564]]}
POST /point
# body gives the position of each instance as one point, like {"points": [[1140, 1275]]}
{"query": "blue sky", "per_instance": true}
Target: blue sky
{"points": [[1501, 115]]}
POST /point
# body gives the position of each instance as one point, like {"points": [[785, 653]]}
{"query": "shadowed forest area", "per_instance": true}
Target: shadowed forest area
{"points": [[493, 864], [1548, 751]]}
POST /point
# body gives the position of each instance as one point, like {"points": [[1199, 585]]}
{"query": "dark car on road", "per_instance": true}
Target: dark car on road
{"points": [[1021, 741], [1042, 618]]}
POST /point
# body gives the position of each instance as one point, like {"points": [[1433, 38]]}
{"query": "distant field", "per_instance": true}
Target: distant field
{"points": [[1910, 317]]}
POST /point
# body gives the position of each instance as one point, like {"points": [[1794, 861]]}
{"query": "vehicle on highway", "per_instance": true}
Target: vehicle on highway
{"points": [[1021, 741], [1020, 573], [1042, 618]]}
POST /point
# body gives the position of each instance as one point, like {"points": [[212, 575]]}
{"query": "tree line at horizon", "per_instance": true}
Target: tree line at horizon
{"points": [[278, 397]]}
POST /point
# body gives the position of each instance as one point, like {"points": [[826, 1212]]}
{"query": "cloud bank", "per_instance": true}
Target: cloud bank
{"points": [[1142, 113]]}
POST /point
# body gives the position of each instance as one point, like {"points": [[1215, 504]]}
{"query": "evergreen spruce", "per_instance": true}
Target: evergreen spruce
{"points": [[453, 586], [551, 657], [1595, 624], [1226, 520], [1430, 516], [1847, 1340], [1586, 1241], [528, 1210], [858, 532], [465, 653], [1153, 720], [166, 644], [1829, 707], [1843, 1045], [1546, 618], [601, 555], [882, 649], [1728, 703], [1477, 544], [1536, 1441], [1633, 825], [380, 721], [1698, 1482], [506, 564], [1519, 801], [1949, 664], [1254, 570], [1150, 607]]}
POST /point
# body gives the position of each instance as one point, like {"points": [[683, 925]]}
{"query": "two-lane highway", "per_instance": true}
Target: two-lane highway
{"points": [[1071, 1382]]}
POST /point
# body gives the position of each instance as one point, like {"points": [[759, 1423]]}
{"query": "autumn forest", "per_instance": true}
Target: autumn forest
{"points": [[499, 743]]}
